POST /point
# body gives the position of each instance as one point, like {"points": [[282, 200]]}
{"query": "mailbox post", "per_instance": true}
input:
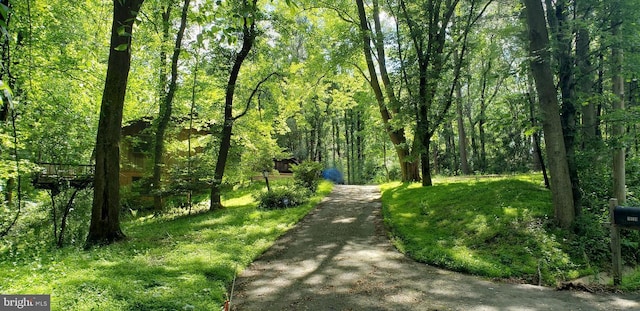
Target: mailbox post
{"points": [[620, 217]]}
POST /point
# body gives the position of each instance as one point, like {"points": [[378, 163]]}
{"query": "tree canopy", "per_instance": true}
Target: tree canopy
{"points": [[378, 90]]}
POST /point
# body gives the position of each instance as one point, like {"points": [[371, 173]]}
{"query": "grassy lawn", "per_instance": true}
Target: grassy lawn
{"points": [[173, 262], [489, 226]]}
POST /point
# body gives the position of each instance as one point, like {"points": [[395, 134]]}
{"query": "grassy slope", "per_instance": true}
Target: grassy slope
{"points": [[487, 226], [170, 263]]}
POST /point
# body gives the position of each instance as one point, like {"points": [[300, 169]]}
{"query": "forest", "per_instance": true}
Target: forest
{"points": [[118, 109]]}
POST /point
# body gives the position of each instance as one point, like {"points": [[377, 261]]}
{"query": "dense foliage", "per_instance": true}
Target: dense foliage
{"points": [[377, 90], [307, 175], [283, 197]]}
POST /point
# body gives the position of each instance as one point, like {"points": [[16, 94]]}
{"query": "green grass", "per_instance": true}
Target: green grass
{"points": [[632, 281], [489, 226], [172, 262]]}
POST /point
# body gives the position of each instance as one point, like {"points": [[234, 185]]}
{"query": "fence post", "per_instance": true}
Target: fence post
{"points": [[616, 252]]}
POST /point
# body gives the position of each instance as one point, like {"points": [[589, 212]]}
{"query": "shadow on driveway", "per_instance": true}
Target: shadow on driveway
{"points": [[339, 258]]}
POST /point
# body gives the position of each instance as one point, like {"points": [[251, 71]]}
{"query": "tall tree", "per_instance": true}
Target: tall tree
{"points": [[249, 33], [554, 140], [408, 162], [7, 111], [585, 75], [618, 130], [562, 33], [462, 135], [166, 104], [431, 24], [105, 213]]}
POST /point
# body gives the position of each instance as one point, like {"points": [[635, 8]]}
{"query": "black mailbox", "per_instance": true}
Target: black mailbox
{"points": [[627, 216]]}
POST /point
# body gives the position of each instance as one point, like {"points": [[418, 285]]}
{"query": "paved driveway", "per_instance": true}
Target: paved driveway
{"points": [[339, 258]]}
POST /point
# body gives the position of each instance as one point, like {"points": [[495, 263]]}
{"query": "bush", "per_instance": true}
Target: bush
{"points": [[283, 198], [591, 239], [307, 174]]}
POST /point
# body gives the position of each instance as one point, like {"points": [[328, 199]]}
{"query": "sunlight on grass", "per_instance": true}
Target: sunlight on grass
{"points": [[171, 262], [492, 226], [239, 201]]}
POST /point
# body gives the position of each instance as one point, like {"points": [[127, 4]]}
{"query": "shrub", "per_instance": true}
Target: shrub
{"points": [[283, 198], [591, 239], [307, 174]]}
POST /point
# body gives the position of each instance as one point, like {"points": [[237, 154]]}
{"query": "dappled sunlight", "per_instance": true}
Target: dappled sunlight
{"points": [[478, 225], [622, 303], [168, 262], [344, 220], [414, 186], [511, 212], [352, 263], [495, 223], [239, 201]]}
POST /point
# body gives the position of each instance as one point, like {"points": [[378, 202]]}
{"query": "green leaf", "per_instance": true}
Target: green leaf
{"points": [[4, 10], [122, 47], [122, 32]]}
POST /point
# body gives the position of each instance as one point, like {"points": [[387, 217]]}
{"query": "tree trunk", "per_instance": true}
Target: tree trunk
{"points": [[482, 163], [249, 35], [618, 130], [426, 165], [429, 45], [105, 212], [191, 113], [65, 215], [409, 168], [359, 146], [538, 159], [462, 135], [561, 30], [347, 146], [450, 155], [163, 117], [554, 139], [584, 83], [166, 108], [482, 116], [5, 66]]}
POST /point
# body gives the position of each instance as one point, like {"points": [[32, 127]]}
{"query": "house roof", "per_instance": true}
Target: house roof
{"points": [[201, 127]]}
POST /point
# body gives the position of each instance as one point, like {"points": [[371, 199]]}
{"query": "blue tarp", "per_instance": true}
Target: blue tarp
{"points": [[333, 175]]}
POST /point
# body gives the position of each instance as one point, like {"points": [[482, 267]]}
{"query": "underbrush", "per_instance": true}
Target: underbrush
{"points": [[491, 226], [173, 261], [283, 197]]}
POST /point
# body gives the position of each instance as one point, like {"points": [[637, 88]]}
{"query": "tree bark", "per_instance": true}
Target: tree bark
{"points": [[618, 129], [547, 96], [561, 30], [5, 66], [462, 135], [105, 212], [429, 45], [408, 167], [249, 35], [584, 79], [482, 116], [166, 107], [538, 159]]}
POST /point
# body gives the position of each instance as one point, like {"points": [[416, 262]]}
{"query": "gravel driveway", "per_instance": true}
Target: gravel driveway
{"points": [[339, 258]]}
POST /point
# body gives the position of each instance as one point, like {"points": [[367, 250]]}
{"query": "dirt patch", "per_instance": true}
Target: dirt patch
{"points": [[339, 258]]}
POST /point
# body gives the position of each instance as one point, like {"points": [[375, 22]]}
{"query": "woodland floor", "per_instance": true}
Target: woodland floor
{"points": [[339, 258]]}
